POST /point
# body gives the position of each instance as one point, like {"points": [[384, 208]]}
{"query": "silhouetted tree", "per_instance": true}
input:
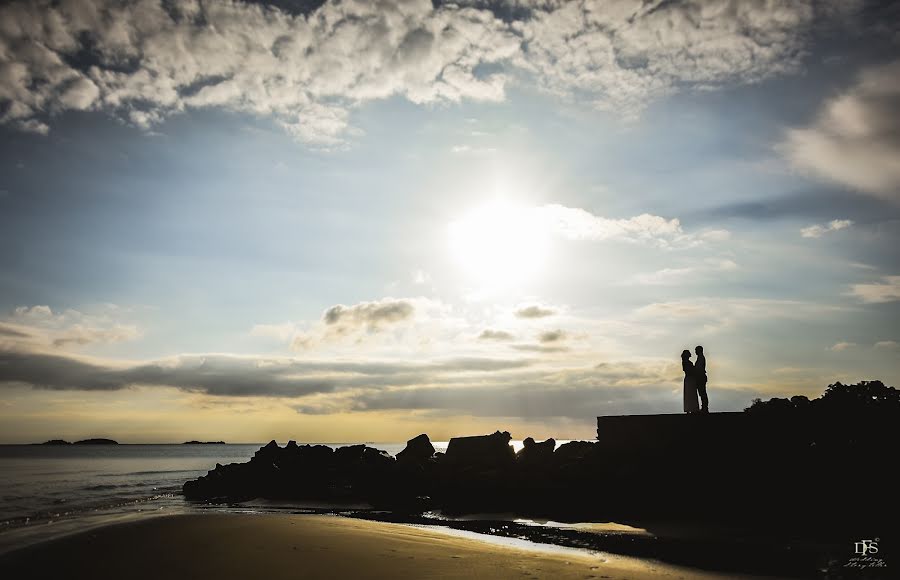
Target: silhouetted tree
{"points": [[837, 398]]}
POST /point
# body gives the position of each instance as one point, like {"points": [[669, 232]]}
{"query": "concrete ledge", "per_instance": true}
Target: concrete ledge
{"points": [[655, 432]]}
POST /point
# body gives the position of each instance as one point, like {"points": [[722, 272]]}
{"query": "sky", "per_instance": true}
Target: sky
{"points": [[360, 221]]}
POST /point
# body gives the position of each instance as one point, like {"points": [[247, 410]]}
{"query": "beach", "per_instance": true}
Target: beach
{"points": [[275, 546]]}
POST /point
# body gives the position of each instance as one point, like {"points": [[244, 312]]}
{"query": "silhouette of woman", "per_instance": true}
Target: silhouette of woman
{"points": [[691, 404]]}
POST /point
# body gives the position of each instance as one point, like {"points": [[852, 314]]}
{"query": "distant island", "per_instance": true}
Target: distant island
{"points": [[82, 442], [203, 443]]}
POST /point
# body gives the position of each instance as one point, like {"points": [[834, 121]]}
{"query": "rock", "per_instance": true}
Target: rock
{"points": [[536, 453], [573, 451], [418, 449], [490, 451], [96, 442], [268, 453]]}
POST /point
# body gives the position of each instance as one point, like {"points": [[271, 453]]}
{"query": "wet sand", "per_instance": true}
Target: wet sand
{"points": [[276, 546]]}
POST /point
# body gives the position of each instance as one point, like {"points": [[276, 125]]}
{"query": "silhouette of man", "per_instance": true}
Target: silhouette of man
{"points": [[700, 373]]}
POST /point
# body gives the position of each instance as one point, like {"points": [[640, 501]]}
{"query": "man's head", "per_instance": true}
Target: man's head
{"points": [[698, 350]]}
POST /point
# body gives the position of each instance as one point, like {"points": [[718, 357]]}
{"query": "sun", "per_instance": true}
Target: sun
{"points": [[499, 245]]}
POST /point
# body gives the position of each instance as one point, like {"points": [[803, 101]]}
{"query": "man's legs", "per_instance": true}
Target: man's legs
{"points": [[704, 400]]}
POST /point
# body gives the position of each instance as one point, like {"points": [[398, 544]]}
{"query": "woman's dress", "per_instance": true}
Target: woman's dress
{"points": [[691, 403]]}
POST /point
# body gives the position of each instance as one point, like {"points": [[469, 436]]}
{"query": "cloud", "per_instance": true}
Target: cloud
{"points": [[145, 60], [579, 224], [371, 315], [715, 314], [78, 335], [855, 139], [470, 150], [534, 311], [283, 332], [888, 291], [818, 230], [499, 335], [552, 336], [238, 376], [620, 56], [40, 325], [580, 393], [540, 348], [841, 346], [675, 276], [363, 321]]}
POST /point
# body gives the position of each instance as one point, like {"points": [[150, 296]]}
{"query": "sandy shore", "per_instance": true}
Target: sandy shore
{"points": [[279, 546]]}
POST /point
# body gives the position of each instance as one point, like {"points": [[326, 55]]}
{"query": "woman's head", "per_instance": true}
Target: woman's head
{"points": [[685, 354]]}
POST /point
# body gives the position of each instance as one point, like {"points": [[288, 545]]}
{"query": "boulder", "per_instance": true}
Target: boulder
{"points": [[489, 451], [573, 451], [534, 453], [418, 450]]}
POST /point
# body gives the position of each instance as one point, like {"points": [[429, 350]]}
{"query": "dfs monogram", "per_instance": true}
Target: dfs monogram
{"points": [[866, 547]]}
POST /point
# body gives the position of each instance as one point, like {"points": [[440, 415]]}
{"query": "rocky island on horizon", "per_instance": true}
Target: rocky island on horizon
{"points": [[96, 441]]}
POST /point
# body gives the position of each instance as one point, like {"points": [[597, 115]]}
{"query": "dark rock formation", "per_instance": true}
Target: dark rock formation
{"points": [[96, 442], [418, 450], [732, 467], [536, 453], [56, 442], [490, 451]]}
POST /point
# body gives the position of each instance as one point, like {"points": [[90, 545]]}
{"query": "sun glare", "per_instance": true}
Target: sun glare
{"points": [[499, 245]]}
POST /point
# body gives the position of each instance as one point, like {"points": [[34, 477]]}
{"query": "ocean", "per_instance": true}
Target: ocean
{"points": [[52, 490]]}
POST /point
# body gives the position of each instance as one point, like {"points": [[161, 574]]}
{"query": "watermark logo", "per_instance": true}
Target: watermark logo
{"points": [[866, 547], [865, 555]]}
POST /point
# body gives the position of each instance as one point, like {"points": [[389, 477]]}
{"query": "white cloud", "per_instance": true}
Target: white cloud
{"points": [[818, 230], [841, 346], [151, 59], [307, 72], [470, 150], [888, 291], [579, 224], [40, 326], [675, 276], [283, 332], [715, 314], [854, 140], [620, 55]]}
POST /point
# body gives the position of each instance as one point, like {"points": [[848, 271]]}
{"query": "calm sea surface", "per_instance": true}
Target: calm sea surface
{"points": [[48, 490]]}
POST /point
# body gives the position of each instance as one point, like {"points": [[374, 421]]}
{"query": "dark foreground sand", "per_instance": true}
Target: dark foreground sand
{"points": [[279, 546]]}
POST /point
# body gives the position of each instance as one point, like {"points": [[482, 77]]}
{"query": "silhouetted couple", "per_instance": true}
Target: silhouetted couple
{"points": [[694, 381]]}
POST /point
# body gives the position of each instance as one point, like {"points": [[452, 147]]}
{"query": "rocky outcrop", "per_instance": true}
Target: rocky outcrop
{"points": [[748, 466], [488, 451], [418, 450], [536, 454]]}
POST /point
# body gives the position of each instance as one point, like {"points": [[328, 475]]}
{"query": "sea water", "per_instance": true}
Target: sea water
{"points": [[51, 490]]}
